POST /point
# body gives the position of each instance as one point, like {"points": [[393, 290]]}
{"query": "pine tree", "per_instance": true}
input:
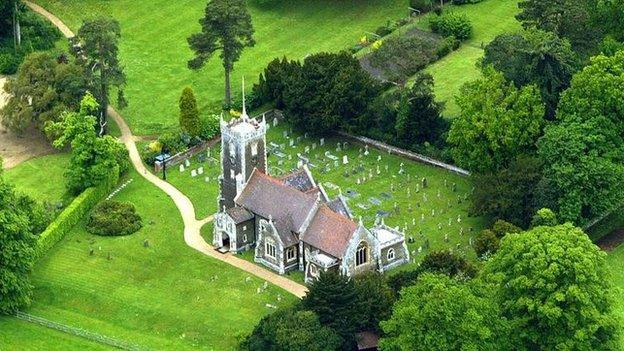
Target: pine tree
{"points": [[189, 115]]}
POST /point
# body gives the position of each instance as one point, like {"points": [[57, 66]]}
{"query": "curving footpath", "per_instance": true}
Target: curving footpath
{"points": [[192, 226]]}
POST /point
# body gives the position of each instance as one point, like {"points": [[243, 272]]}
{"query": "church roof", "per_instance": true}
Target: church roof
{"points": [[300, 179], [239, 214], [330, 232], [268, 197], [339, 205]]}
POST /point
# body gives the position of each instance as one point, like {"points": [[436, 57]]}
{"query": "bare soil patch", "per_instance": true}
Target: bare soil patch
{"points": [[612, 241], [16, 149]]}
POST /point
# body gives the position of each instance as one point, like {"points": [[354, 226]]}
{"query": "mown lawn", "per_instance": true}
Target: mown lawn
{"points": [[20, 335], [154, 50], [164, 296], [41, 178], [431, 217], [615, 259]]}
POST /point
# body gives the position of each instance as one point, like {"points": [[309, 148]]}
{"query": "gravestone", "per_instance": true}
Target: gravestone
{"points": [[187, 163], [345, 160], [275, 122], [193, 173], [181, 168], [322, 141], [200, 170]]}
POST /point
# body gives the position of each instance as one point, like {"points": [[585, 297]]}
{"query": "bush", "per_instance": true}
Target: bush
{"points": [[172, 141], [112, 218], [422, 5], [451, 24], [70, 216], [209, 127]]}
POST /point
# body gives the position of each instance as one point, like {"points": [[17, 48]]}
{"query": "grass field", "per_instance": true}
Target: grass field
{"points": [[615, 259], [41, 178], [154, 50], [23, 336], [489, 19], [373, 195], [165, 296]]}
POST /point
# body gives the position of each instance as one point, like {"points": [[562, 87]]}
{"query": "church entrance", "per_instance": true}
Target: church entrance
{"points": [[225, 242]]}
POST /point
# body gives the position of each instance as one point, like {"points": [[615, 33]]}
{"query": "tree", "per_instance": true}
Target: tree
{"points": [[544, 217], [552, 284], [94, 160], [374, 300], [334, 299], [497, 122], [509, 193], [273, 81], [418, 118], [570, 19], [17, 247], [97, 49], [584, 153], [330, 91], [226, 26], [487, 241], [43, 88], [534, 57], [189, 115], [291, 329], [10, 18], [440, 313], [448, 263]]}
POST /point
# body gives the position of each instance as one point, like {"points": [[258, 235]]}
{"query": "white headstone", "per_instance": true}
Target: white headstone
{"points": [[345, 160], [275, 122], [187, 163], [322, 142], [200, 170], [292, 142], [206, 179], [181, 168], [366, 150], [193, 173], [307, 149], [299, 164]]}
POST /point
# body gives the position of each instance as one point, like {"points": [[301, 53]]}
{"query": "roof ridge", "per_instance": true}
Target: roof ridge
{"points": [[338, 215]]}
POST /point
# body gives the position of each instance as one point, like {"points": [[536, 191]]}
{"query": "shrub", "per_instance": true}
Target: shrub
{"points": [[451, 24], [486, 243], [112, 218], [422, 5], [209, 127], [172, 142]]}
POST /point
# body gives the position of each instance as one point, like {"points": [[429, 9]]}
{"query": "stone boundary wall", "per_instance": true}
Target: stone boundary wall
{"points": [[76, 331], [404, 153]]}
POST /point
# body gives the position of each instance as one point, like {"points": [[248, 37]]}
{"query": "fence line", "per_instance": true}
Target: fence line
{"points": [[77, 332]]}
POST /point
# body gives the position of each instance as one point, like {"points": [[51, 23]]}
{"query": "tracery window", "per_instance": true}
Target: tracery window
{"points": [[290, 254], [269, 249], [361, 255]]}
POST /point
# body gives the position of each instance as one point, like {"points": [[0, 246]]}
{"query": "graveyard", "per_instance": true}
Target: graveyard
{"points": [[428, 203]]}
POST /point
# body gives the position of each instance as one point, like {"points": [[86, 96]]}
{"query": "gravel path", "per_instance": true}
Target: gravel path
{"points": [[192, 226]]}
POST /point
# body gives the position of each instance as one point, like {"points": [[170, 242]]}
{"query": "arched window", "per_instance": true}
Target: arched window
{"points": [[390, 254], [361, 255]]}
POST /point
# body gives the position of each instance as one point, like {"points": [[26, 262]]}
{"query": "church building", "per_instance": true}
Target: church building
{"points": [[290, 221]]}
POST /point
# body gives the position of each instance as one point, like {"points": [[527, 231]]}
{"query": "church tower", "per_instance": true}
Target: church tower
{"points": [[243, 148]]}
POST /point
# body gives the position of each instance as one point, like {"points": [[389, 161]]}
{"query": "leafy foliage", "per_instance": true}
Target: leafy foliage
{"points": [[583, 154], [497, 123], [273, 81], [189, 115], [226, 27], [43, 88], [451, 24], [95, 160], [544, 217], [487, 241], [96, 47], [440, 313], [552, 284], [534, 57], [112, 218], [374, 300]]}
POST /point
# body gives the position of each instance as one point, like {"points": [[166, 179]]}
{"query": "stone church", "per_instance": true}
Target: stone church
{"points": [[290, 221]]}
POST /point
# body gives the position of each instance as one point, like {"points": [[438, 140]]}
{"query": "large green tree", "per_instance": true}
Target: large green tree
{"points": [[374, 300], [225, 27], [44, 87], [418, 118], [96, 46], [497, 122], [583, 154], [94, 160], [291, 329], [552, 284], [534, 57], [189, 115], [440, 313], [18, 227]]}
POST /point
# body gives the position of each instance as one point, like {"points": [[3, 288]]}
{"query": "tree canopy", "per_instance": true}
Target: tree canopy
{"points": [[189, 115]]}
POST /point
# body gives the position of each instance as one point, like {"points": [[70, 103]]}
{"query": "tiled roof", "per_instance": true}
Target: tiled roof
{"points": [[239, 214], [270, 198], [330, 232], [338, 205], [300, 180]]}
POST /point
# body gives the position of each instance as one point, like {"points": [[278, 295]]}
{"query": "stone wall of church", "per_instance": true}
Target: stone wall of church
{"points": [[245, 235], [400, 255]]}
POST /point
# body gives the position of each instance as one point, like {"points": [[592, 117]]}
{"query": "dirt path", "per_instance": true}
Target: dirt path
{"points": [[192, 226]]}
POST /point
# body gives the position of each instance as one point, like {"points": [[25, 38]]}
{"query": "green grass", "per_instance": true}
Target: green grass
{"points": [[615, 260], [41, 178], [489, 19], [165, 296], [154, 50], [24, 336], [203, 195]]}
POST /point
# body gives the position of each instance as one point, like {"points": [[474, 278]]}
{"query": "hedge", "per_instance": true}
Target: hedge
{"points": [[70, 217], [606, 225]]}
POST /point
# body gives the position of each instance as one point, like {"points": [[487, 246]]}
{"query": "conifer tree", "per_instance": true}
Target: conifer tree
{"points": [[189, 115]]}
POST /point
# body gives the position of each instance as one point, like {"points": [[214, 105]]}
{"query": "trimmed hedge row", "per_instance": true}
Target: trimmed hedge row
{"points": [[606, 225], [70, 217]]}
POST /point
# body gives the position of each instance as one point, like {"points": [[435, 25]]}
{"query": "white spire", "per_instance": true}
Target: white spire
{"points": [[244, 114]]}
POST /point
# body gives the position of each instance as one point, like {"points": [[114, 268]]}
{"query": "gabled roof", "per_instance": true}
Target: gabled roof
{"points": [[270, 198], [330, 232], [300, 179], [339, 205], [239, 214]]}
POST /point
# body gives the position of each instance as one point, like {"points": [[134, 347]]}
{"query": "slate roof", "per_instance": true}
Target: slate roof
{"points": [[239, 214], [330, 232], [300, 180], [338, 205], [270, 198]]}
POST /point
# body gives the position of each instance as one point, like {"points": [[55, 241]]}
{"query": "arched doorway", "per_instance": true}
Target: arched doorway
{"points": [[225, 241]]}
